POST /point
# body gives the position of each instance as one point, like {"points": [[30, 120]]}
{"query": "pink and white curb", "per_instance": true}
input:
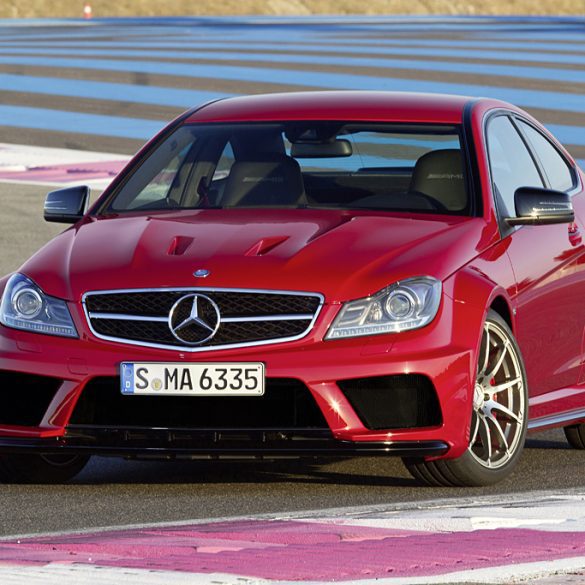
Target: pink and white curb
{"points": [[486, 541], [58, 166]]}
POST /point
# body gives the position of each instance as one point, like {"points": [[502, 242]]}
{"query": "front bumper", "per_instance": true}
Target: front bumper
{"points": [[442, 352]]}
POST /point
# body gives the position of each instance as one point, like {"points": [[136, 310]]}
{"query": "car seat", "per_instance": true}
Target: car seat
{"points": [[273, 181], [439, 174]]}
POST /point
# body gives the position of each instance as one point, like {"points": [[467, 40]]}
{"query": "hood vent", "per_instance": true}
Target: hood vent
{"points": [[179, 245], [266, 245]]}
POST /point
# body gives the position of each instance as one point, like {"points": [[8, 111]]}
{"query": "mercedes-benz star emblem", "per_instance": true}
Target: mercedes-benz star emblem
{"points": [[194, 319]]}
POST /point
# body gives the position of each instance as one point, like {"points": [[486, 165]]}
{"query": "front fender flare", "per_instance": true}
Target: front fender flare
{"points": [[472, 293]]}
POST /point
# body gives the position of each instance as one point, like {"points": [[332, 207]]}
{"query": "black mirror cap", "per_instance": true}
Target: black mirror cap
{"points": [[67, 205], [537, 206]]}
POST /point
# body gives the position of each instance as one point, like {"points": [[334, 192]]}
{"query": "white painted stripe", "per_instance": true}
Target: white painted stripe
{"points": [[91, 575], [99, 184], [44, 166], [18, 158]]}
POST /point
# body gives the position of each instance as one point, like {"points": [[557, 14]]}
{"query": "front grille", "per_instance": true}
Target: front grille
{"points": [[231, 303], [286, 404], [25, 397], [247, 317], [403, 401]]}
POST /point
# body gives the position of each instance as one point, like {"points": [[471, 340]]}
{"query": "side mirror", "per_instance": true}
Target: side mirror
{"points": [[67, 205], [537, 206]]}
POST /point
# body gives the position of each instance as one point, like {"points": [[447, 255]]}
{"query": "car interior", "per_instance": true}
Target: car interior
{"points": [[305, 165]]}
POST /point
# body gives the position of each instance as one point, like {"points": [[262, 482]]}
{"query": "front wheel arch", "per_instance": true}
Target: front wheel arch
{"points": [[502, 307]]}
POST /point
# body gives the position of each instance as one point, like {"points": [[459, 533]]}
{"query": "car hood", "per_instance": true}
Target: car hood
{"points": [[340, 254]]}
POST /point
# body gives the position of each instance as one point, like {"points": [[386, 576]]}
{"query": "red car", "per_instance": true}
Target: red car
{"points": [[310, 274]]}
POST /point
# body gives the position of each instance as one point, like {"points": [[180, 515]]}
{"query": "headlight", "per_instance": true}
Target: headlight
{"points": [[409, 304], [25, 306]]}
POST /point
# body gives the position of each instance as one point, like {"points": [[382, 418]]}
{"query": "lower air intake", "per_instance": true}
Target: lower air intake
{"points": [[25, 397], [403, 401]]}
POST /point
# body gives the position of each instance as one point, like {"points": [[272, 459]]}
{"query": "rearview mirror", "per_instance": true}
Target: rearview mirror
{"points": [[335, 148], [67, 205], [537, 206]]}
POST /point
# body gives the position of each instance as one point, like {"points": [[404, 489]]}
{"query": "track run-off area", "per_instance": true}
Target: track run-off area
{"points": [[106, 86]]}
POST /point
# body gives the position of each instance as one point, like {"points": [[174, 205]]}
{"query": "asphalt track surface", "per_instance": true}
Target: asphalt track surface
{"points": [[116, 492], [109, 85]]}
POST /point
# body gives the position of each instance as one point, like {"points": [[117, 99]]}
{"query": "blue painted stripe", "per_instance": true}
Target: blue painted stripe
{"points": [[480, 50], [120, 92], [456, 43], [317, 48], [563, 75], [351, 44], [568, 134], [143, 129], [185, 24], [550, 28], [562, 34], [523, 97], [74, 122], [489, 32]]}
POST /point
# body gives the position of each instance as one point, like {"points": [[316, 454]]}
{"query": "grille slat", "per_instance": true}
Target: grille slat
{"points": [[259, 317]]}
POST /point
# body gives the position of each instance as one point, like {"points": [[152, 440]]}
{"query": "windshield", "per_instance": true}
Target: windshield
{"points": [[390, 167]]}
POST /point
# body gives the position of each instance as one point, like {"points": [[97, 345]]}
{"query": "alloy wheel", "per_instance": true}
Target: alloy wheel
{"points": [[498, 418]]}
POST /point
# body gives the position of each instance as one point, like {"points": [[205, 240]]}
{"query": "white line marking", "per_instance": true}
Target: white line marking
{"points": [[91, 575]]}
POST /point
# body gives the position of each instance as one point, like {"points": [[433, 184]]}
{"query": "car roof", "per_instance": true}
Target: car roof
{"points": [[362, 106]]}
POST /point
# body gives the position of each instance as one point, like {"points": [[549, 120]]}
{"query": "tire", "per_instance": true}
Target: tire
{"points": [[40, 468], [498, 420], [576, 436]]}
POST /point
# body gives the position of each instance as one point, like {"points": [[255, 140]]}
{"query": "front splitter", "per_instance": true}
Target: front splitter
{"points": [[184, 443]]}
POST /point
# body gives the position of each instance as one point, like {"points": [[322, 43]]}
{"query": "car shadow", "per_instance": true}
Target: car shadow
{"points": [[347, 472], [356, 472]]}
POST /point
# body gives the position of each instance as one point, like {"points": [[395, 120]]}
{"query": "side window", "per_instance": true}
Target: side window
{"points": [[510, 162], [557, 170]]}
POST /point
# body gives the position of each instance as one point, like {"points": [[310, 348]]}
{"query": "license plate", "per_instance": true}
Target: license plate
{"points": [[213, 379]]}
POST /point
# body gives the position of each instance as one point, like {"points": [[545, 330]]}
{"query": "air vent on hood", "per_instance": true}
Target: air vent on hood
{"points": [[179, 245], [266, 245]]}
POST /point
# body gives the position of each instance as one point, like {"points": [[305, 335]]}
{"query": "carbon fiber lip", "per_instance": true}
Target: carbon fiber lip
{"points": [[150, 442]]}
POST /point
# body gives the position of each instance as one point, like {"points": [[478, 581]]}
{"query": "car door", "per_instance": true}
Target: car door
{"points": [[548, 260]]}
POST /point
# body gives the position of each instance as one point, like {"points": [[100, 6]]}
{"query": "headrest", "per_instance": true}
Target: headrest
{"points": [[275, 180], [439, 174]]}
